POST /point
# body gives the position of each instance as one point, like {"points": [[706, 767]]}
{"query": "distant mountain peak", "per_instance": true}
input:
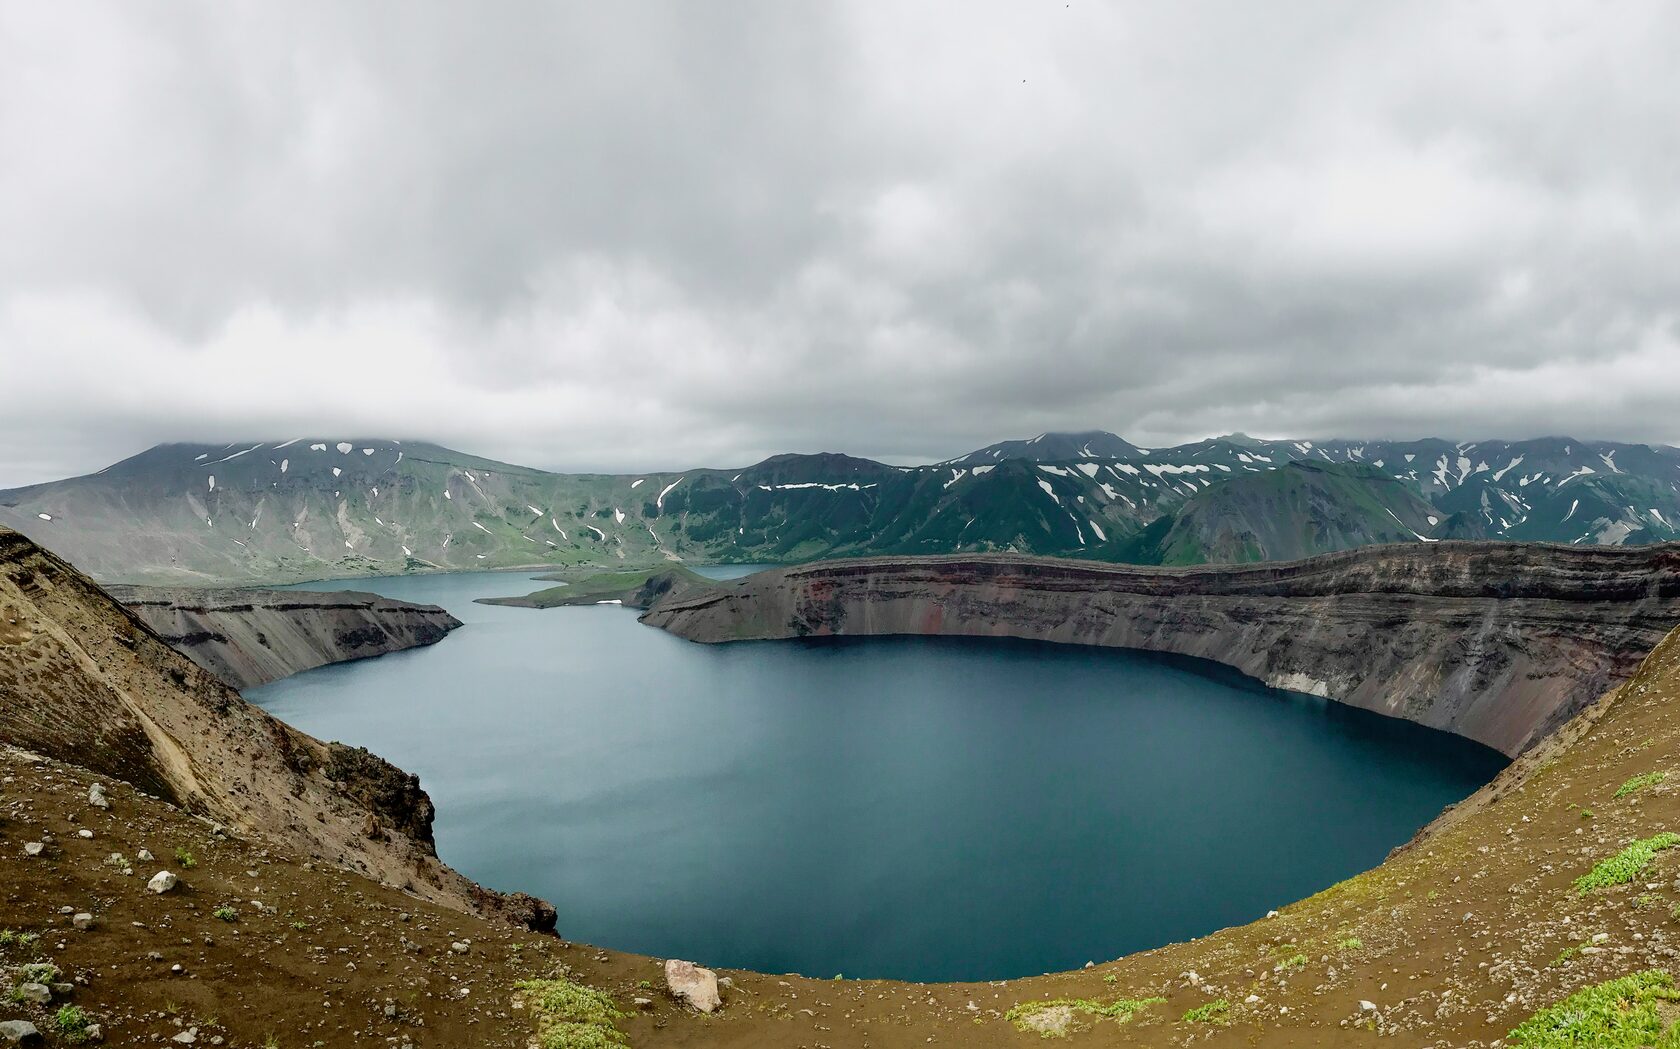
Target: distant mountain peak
{"points": [[1052, 447]]}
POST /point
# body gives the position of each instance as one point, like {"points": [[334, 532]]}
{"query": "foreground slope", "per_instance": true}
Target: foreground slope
{"points": [[85, 680]]}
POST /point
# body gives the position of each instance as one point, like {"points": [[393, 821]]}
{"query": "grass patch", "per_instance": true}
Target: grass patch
{"points": [[1617, 1014], [72, 1023], [1214, 1012], [1290, 964], [1625, 865], [1640, 782], [185, 858], [1349, 943], [1120, 1010], [572, 1016], [227, 914]]}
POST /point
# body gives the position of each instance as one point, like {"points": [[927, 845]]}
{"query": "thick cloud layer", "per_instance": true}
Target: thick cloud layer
{"points": [[633, 235]]}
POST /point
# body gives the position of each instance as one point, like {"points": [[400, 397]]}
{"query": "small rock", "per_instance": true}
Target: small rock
{"points": [[39, 993], [187, 1037], [643, 1003], [97, 798], [145, 856], [1367, 1007], [33, 848], [85, 834], [82, 920], [162, 882], [19, 1032], [694, 985], [460, 947]]}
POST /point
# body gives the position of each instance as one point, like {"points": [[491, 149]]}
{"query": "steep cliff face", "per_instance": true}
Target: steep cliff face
{"points": [[84, 680], [1497, 642], [252, 637]]}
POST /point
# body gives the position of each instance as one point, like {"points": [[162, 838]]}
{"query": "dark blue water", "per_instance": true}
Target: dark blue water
{"points": [[919, 808]]}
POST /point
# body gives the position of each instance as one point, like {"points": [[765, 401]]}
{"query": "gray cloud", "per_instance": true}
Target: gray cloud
{"points": [[635, 235]]}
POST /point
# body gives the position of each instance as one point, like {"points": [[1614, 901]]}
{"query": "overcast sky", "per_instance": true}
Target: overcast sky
{"points": [[631, 235]]}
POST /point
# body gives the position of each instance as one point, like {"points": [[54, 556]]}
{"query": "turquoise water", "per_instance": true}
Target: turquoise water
{"points": [[920, 808]]}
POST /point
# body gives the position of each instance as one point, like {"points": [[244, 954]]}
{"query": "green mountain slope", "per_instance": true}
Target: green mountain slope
{"points": [[1302, 509]]}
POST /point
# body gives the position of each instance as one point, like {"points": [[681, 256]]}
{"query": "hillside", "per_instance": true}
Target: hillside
{"points": [[1304, 508], [312, 508], [85, 680]]}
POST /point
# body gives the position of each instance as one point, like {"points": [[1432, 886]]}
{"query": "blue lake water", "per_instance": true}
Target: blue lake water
{"points": [[919, 808]]}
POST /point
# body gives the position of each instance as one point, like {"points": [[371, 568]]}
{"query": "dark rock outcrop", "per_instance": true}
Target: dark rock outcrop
{"points": [[252, 637], [1497, 642]]}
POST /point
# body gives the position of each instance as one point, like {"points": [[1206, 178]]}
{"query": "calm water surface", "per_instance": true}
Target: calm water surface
{"points": [[921, 808]]}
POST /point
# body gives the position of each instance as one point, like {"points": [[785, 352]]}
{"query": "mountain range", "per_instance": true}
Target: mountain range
{"points": [[333, 506]]}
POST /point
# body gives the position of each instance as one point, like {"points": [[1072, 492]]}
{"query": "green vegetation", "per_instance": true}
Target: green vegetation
{"points": [[1290, 964], [1617, 1014], [227, 914], [1214, 1012], [1120, 1010], [72, 1023], [572, 1016], [185, 858], [1625, 865], [12, 938], [1566, 955], [1640, 782], [1349, 943]]}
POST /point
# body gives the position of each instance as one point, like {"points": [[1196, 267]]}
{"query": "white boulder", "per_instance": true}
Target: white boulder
{"points": [[694, 985]]}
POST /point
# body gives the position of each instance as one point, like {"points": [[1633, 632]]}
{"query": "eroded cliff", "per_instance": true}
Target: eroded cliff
{"points": [[85, 680], [251, 637], [1497, 642]]}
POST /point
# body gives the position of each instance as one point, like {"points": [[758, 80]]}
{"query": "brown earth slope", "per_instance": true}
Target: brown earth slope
{"points": [[85, 680], [1494, 641], [250, 637]]}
